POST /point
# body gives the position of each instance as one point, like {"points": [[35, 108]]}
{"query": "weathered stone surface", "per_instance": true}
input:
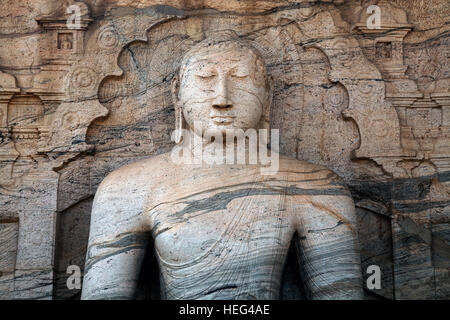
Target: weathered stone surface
{"points": [[8, 246], [33, 284], [372, 105], [375, 237], [7, 286], [73, 232], [9, 233]]}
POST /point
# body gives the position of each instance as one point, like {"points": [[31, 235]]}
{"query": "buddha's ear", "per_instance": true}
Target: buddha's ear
{"points": [[179, 120], [175, 87], [270, 84], [265, 119], [268, 102]]}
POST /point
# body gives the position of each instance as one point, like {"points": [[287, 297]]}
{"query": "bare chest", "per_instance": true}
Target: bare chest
{"points": [[215, 224]]}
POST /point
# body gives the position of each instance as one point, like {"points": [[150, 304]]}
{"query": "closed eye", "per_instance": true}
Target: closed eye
{"points": [[206, 75], [240, 74]]}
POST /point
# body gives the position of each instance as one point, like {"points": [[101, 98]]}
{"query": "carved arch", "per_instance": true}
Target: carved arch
{"points": [[376, 119]]}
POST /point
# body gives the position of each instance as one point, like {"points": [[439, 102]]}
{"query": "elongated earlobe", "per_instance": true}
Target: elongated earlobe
{"points": [[265, 119], [179, 119]]}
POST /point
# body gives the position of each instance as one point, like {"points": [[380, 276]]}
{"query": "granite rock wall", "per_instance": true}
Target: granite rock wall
{"points": [[371, 104]]}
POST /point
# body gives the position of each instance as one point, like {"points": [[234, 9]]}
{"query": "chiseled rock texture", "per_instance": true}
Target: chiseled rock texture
{"points": [[222, 230], [372, 105]]}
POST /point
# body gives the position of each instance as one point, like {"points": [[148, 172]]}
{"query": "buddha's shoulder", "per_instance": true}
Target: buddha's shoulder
{"points": [[304, 171], [320, 184], [140, 174], [291, 164]]}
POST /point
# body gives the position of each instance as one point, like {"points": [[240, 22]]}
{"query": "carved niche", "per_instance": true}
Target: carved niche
{"points": [[105, 89]]}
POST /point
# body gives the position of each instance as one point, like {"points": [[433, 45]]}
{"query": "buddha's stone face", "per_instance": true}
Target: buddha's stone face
{"points": [[223, 89]]}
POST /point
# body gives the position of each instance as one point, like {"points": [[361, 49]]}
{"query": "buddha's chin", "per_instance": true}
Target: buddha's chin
{"points": [[223, 130]]}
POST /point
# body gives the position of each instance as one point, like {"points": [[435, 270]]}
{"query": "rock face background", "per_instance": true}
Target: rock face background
{"points": [[373, 105]]}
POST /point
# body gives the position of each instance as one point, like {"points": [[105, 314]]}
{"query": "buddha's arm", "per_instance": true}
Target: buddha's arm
{"points": [[117, 243], [327, 248]]}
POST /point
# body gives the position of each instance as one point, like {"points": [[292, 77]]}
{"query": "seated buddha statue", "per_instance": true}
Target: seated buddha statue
{"points": [[222, 230]]}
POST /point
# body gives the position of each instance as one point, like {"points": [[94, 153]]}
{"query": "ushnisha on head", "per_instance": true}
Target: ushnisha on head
{"points": [[222, 83]]}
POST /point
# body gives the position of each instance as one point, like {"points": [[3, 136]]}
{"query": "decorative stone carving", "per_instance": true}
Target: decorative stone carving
{"points": [[386, 40], [8, 152], [65, 37], [62, 44], [348, 105]]}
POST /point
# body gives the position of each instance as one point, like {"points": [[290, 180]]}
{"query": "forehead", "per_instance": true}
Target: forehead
{"points": [[222, 55]]}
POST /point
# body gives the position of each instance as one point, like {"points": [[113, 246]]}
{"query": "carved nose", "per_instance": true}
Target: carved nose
{"points": [[221, 100]]}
